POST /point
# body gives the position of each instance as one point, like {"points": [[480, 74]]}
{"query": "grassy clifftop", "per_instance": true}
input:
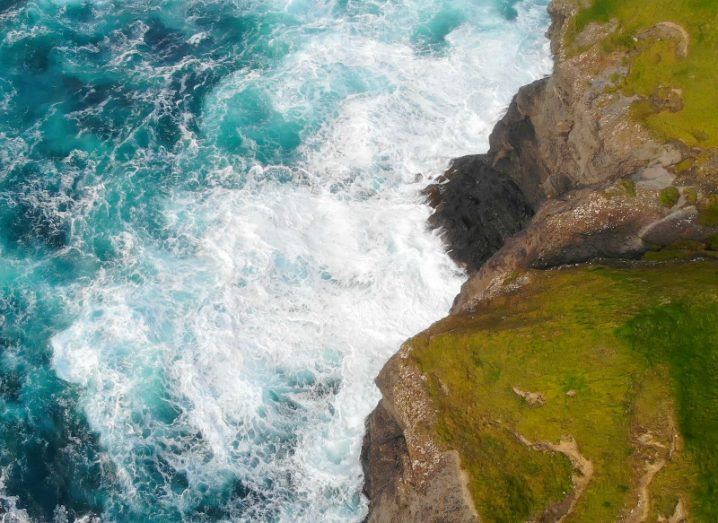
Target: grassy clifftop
{"points": [[593, 391], [673, 49]]}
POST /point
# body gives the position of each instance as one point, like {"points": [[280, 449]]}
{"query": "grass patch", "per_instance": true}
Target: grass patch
{"points": [[713, 242], [629, 187], [708, 212], [691, 195], [657, 65], [684, 337], [669, 197], [613, 352], [683, 250]]}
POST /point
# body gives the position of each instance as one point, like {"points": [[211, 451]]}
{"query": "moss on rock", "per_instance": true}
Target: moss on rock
{"points": [[628, 186], [691, 195], [669, 197], [708, 211]]}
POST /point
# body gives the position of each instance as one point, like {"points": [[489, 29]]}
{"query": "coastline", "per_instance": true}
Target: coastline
{"points": [[571, 177]]}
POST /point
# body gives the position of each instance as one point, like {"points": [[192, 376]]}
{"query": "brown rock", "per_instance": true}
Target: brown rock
{"points": [[408, 478], [534, 399], [667, 99]]}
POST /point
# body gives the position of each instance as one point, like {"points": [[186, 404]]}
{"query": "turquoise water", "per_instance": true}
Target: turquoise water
{"points": [[212, 238]]}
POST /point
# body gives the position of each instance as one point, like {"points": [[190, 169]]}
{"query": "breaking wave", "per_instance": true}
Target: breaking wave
{"points": [[212, 237]]}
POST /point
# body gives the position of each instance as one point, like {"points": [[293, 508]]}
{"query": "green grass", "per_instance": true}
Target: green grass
{"points": [[629, 186], [669, 197], [691, 195], [684, 250], [708, 211], [684, 336], [656, 64], [637, 346]]}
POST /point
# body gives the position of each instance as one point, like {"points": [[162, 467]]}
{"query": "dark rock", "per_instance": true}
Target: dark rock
{"points": [[383, 454], [477, 209]]}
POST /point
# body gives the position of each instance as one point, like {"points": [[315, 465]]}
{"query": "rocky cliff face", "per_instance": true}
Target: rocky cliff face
{"points": [[571, 176], [568, 149], [407, 476]]}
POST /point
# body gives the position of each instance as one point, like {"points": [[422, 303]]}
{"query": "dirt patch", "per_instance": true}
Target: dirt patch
{"points": [[583, 472]]}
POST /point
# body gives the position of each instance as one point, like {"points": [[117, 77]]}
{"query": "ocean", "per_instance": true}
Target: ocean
{"points": [[212, 237]]}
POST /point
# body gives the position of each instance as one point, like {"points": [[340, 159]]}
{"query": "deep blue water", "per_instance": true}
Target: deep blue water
{"points": [[211, 238]]}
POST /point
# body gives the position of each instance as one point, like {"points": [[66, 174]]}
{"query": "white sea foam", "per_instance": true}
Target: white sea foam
{"points": [[245, 345], [9, 510]]}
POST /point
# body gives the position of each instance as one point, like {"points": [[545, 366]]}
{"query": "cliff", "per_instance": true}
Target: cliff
{"points": [[536, 400]]}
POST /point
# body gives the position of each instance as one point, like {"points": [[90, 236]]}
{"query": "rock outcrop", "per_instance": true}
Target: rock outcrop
{"points": [[571, 176], [571, 170], [409, 478]]}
